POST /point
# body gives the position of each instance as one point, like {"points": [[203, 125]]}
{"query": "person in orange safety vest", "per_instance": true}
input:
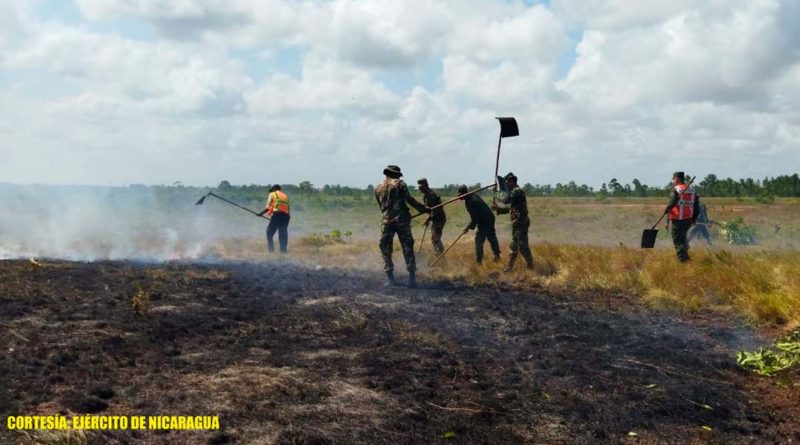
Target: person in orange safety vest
{"points": [[278, 211], [683, 210]]}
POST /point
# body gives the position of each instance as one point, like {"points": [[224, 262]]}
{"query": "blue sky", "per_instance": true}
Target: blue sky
{"points": [[136, 91]]}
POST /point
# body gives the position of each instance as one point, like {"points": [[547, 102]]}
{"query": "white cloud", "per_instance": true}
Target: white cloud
{"points": [[193, 102]]}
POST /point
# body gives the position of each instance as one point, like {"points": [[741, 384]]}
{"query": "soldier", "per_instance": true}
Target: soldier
{"points": [[517, 208], [683, 210], [701, 226], [437, 219], [481, 216], [392, 196]]}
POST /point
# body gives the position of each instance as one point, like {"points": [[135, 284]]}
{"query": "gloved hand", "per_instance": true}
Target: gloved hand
{"points": [[464, 232], [261, 213], [427, 210], [495, 206]]}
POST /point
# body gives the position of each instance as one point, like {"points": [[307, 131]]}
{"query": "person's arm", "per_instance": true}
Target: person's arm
{"points": [[414, 203], [673, 202], [471, 211], [270, 204]]}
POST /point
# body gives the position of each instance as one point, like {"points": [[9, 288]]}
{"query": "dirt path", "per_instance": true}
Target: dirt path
{"points": [[289, 355]]}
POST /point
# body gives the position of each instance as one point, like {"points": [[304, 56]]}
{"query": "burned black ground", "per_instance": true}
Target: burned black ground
{"points": [[286, 354]]}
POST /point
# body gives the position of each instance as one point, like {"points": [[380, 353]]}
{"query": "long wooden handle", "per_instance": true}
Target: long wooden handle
{"points": [[454, 199], [448, 248], [237, 205]]}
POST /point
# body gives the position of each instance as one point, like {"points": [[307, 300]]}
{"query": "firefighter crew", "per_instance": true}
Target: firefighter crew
{"points": [[278, 211], [683, 210], [480, 216], [393, 196], [437, 219], [516, 205]]}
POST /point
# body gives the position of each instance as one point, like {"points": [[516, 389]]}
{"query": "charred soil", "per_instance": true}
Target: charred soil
{"points": [[290, 355]]}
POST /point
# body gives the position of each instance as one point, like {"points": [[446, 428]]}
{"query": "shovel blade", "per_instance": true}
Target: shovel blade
{"points": [[201, 200], [508, 127], [501, 184], [649, 238]]}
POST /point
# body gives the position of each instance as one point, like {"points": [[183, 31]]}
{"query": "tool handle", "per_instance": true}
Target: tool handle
{"points": [[237, 205], [453, 200], [448, 248]]}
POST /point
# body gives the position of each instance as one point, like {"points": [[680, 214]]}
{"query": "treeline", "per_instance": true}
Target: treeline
{"points": [[710, 185]]}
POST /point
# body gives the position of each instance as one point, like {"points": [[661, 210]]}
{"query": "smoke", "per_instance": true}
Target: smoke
{"points": [[84, 223]]}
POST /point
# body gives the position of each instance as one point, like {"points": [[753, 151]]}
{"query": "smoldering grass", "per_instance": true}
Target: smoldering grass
{"points": [[351, 320]]}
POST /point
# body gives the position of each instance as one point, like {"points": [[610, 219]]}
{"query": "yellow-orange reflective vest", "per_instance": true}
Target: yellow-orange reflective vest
{"points": [[684, 208], [277, 202]]}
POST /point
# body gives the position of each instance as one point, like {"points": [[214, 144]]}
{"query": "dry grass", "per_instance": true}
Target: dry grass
{"points": [[763, 285]]}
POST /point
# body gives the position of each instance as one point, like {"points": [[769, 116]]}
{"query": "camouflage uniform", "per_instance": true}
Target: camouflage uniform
{"points": [[437, 220], [517, 208], [481, 216], [392, 196]]}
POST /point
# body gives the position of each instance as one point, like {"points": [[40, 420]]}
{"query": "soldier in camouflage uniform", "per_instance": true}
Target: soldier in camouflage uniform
{"points": [[481, 216], [392, 196], [517, 207], [437, 219]]}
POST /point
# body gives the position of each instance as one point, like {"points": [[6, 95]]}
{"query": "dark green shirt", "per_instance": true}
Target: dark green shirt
{"points": [[431, 199], [479, 212]]}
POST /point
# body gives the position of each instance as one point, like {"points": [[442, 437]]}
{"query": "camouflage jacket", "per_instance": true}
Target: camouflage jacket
{"points": [[517, 204], [431, 199], [479, 212], [392, 196]]}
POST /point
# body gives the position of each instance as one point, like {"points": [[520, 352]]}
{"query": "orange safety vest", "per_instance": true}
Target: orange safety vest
{"points": [[684, 209], [277, 202]]}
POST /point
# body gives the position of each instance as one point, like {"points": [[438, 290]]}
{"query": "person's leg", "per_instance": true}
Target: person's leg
{"points": [[385, 244], [491, 235], [283, 233], [407, 244], [679, 229], [521, 234], [480, 238], [436, 237], [272, 227]]}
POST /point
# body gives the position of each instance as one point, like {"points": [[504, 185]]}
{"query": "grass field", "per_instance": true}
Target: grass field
{"points": [[589, 246], [598, 341]]}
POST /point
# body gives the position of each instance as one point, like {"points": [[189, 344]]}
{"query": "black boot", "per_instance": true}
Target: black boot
{"points": [[412, 279], [511, 259], [390, 278]]}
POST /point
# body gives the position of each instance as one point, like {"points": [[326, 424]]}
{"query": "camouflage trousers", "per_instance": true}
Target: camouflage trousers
{"points": [[436, 237], [519, 241], [403, 231], [679, 229]]}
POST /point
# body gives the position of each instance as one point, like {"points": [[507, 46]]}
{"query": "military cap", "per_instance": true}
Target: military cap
{"points": [[510, 176], [392, 170], [422, 181], [462, 189]]}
